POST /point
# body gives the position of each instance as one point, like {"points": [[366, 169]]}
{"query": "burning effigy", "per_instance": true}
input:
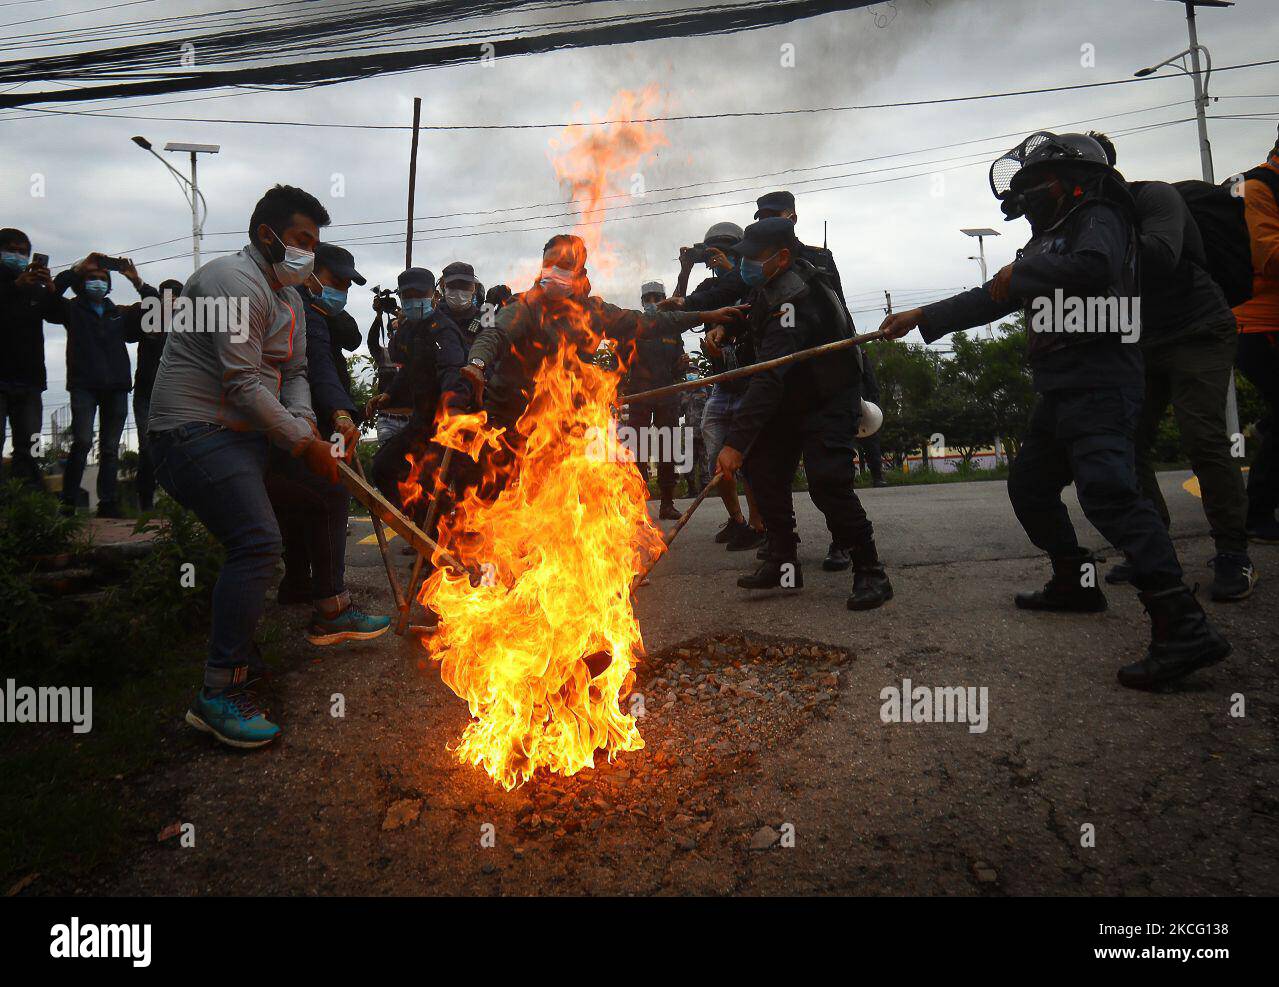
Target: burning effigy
{"points": [[544, 649]]}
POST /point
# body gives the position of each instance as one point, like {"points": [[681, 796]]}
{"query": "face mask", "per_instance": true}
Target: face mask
{"points": [[650, 308], [332, 300], [296, 266], [557, 282], [459, 298], [14, 261], [692, 377], [752, 271], [416, 308], [96, 290]]}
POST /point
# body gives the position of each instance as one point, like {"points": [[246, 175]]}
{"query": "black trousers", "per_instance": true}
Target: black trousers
{"points": [[1258, 360], [824, 439], [1088, 436], [664, 416], [872, 456]]}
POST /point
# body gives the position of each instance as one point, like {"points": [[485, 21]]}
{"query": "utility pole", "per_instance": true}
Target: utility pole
{"points": [[1200, 84], [408, 240], [888, 302]]}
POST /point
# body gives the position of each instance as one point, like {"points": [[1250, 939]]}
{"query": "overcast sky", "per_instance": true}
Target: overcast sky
{"points": [[887, 231]]}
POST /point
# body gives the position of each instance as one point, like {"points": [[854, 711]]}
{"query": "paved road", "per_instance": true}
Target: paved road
{"points": [[1075, 786]]}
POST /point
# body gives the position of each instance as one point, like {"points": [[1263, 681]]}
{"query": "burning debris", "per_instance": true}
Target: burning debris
{"points": [[544, 651]]}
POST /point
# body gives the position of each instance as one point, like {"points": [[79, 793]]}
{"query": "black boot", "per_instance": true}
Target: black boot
{"points": [[1073, 587], [871, 587], [837, 559], [1181, 640], [667, 510], [780, 568]]}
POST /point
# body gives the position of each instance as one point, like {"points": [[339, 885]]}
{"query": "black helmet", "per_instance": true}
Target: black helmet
{"points": [[1016, 170]]}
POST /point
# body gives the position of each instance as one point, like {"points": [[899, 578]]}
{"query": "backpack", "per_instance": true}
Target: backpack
{"points": [[1219, 214]]}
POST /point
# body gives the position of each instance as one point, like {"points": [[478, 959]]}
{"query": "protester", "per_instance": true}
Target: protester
{"points": [[1188, 343], [653, 362], [231, 397], [740, 533], [559, 306], [98, 371], [463, 299], [806, 410], [1258, 357], [27, 300], [1089, 384], [150, 335], [307, 513], [429, 382]]}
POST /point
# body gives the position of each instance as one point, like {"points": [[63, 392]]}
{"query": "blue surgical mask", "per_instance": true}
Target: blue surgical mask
{"points": [[752, 271], [332, 300], [692, 377], [14, 261], [650, 308], [96, 290], [416, 308]]}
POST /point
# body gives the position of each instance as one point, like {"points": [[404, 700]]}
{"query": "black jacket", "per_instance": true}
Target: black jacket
{"points": [[654, 362], [150, 350], [433, 371], [97, 359], [328, 384], [22, 317], [796, 310], [716, 292], [1091, 253]]}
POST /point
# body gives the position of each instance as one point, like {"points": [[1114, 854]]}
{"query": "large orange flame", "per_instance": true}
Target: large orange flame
{"points": [[544, 655]]}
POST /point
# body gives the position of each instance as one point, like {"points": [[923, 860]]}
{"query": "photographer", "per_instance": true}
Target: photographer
{"points": [[416, 288], [27, 300], [462, 297], [724, 287], [98, 372]]}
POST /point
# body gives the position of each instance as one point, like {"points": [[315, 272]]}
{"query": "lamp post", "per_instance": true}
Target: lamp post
{"points": [[1205, 148], [981, 235], [190, 187]]}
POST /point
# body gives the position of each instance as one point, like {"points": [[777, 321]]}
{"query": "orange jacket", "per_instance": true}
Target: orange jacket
{"points": [[1261, 312]]}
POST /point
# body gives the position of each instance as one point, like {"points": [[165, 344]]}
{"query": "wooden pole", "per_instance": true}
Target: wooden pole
{"points": [[408, 239], [679, 526], [754, 368], [392, 517], [402, 622], [381, 542]]}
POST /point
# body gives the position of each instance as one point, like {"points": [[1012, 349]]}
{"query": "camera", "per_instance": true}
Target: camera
{"points": [[697, 253], [115, 263], [385, 300]]}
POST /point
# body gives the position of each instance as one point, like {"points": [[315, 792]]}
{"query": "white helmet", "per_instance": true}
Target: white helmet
{"points": [[872, 418]]}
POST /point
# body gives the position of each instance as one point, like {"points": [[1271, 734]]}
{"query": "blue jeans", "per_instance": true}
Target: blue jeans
{"points": [[718, 416], [85, 405], [220, 475]]}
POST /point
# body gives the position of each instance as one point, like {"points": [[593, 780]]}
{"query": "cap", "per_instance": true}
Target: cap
{"points": [[338, 260], [652, 288], [418, 278], [776, 232], [457, 271], [775, 202]]}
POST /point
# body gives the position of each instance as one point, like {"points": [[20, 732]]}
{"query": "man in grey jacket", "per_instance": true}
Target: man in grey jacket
{"points": [[231, 396]]}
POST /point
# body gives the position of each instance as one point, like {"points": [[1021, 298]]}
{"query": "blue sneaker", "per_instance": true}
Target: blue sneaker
{"points": [[232, 717], [349, 625]]}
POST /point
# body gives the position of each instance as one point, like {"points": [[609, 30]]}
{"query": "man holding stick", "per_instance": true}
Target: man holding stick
{"points": [[806, 409]]}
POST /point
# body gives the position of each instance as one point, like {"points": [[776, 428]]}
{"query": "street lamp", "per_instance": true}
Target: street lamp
{"points": [[1205, 149], [981, 234], [1201, 85], [190, 187]]}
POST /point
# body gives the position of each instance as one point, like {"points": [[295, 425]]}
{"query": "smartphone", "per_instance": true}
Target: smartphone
{"points": [[115, 263], [40, 260]]}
